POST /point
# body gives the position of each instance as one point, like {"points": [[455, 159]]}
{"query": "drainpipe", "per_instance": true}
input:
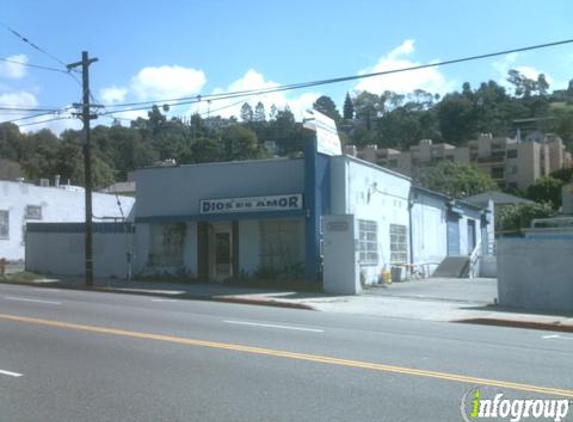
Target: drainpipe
{"points": [[410, 235]]}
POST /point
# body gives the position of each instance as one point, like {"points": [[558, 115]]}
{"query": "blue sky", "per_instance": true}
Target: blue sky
{"points": [[153, 50]]}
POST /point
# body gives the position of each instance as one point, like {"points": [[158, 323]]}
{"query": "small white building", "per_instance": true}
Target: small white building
{"points": [[21, 203]]}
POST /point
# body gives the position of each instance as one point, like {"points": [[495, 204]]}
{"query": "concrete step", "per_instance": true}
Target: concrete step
{"points": [[453, 267]]}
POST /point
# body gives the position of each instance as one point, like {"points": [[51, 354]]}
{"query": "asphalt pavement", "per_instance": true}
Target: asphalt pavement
{"points": [[68, 355]]}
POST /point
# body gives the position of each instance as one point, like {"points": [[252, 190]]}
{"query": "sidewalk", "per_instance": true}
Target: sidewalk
{"points": [[397, 301]]}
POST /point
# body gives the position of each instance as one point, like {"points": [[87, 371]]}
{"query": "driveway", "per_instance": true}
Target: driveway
{"points": [[477, 290]]}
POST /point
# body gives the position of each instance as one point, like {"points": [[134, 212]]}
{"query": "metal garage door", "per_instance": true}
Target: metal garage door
{"points": [[453, 235]]}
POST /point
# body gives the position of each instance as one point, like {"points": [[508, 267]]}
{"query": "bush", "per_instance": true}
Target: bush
{"points": [[519, 216]]}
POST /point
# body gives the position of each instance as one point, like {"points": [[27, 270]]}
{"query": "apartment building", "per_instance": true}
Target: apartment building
{"points": [[512, 163]]}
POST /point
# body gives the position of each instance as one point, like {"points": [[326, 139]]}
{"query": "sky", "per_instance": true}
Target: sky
{"points": [[158, 50]]}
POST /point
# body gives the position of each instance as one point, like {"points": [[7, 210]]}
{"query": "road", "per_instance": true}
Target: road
{"points": [[86, 356]]}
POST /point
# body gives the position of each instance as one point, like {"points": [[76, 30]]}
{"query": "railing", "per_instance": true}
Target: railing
{"points": [[474, 260]]}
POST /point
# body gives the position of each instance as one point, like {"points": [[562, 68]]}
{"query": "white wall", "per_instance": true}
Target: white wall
{"points": [[429, 232], [371, 193], [65, 254], [58, 205]]}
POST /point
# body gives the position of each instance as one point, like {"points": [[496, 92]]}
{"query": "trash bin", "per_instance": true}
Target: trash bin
{"points": [[396, 273]]}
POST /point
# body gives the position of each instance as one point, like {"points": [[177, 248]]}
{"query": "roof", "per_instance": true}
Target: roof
{"points": [[497, 198], [120, 187]]}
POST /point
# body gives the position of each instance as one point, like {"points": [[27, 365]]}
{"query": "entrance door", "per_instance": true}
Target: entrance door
{"points": [[221, 252], [453, 235]]}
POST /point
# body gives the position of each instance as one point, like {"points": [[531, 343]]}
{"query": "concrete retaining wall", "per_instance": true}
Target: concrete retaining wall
{"points": [[535, 273]]}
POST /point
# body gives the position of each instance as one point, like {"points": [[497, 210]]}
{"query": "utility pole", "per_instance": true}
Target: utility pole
{"points": [[86, 116]]}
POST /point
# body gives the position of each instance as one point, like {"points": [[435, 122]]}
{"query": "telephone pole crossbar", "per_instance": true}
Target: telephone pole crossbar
{"points": [[86, 116]]}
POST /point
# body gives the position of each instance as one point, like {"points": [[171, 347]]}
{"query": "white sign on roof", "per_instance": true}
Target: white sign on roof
{"points": [[327, 140]]}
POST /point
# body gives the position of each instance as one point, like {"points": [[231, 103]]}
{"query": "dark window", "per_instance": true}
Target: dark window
{"points": [[511, 153]]}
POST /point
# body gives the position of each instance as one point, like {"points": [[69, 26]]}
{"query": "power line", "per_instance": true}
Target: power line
{"points": [[264, 91], [27, 117], [33, 45], [34, 66], [46, 121], [24, 109]]}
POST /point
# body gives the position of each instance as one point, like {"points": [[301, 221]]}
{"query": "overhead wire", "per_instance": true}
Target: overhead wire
{"points": [[31, 65], [310, 84], [32, 44]]}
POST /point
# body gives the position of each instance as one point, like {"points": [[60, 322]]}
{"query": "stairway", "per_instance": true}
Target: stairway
{"points": [[453, 267]]}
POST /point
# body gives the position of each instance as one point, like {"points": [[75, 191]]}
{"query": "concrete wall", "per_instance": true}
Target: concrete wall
{"points": [[370, 193], [535, 274], [65, 254], [176, 191], [57, 204]]}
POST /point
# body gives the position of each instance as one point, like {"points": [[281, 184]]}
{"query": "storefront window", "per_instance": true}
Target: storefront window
{"points": [[166, 245], [280, 244]]}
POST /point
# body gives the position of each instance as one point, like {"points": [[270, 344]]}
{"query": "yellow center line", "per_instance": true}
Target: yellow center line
{"points": [[297, 356]]}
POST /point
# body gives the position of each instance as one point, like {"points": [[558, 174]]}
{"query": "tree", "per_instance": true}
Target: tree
{"points": [[10, 141], [204, 150], [523, 86], [517, 216], [260, 115], [246, 113], [240, 143], [546, 190], [326, 106], [457, 118], [457, 180], [348, 109]]}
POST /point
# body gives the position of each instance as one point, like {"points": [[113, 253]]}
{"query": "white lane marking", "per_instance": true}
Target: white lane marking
{"points": [[164, 300], [25, 299], [556, 336], [11, 374], [284, 327]]}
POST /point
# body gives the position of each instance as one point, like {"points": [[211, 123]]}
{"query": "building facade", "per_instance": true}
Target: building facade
{"points": [[512, 163], [265, 219], [22, 203]]}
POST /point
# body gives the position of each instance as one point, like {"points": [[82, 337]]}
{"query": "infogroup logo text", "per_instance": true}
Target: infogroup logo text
{"points": [[476, 407]]}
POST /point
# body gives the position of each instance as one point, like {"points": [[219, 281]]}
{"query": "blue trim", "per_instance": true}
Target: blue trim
{"points": [[79, 227], [264, 215], [317, 195]]}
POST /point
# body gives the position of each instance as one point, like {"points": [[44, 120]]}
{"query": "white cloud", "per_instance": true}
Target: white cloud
{"points": [[11, 69], [253, 80], [429, 79], [113, 95], [24, 99], [167, 82]]}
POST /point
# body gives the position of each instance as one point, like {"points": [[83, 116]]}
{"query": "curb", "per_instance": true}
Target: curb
{"points": [[187, 296], [532, 325]]}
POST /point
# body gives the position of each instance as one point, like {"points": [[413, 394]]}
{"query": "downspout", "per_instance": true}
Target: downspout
{"points": [[410, 235]]}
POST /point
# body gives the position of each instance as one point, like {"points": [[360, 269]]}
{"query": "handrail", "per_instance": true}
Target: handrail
{"points": [[474, 257]]}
